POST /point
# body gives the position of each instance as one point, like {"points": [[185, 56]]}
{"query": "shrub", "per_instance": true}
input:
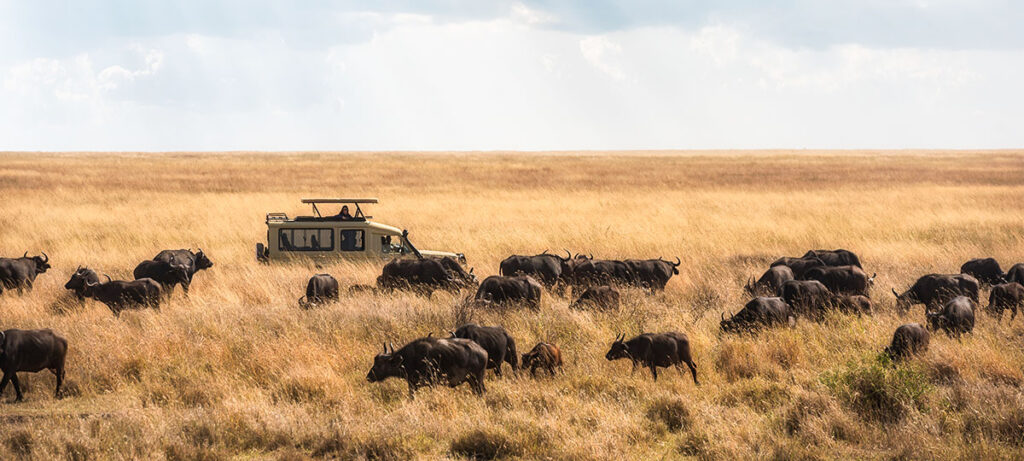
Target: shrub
{"points": [[671, 411], [483, 445], [878, 389]]}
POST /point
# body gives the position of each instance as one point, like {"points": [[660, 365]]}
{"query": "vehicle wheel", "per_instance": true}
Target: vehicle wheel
{"points": [[262, 253]]}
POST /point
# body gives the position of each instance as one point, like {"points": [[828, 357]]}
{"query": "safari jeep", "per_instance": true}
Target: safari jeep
{"points": [[347, 235]]}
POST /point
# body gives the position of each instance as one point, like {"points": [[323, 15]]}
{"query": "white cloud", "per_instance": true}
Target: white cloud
{"points": [[530, 16], [603, 53]]}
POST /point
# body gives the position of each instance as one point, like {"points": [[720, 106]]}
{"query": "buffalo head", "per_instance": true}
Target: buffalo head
{"points": [[42, 262], [386, 365], [619, 350], [202, 262]]}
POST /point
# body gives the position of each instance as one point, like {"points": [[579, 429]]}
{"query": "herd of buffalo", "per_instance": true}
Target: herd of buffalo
{"points": [[807, 287]]}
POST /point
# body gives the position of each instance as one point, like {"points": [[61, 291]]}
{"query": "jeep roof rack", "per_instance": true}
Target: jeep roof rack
{"points": [[358, 215]]}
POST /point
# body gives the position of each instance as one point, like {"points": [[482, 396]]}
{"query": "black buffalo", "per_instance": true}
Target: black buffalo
{"points": [[193, 262], [654, 350], [799, 265], [543, 355], [1005, 296], [759, 312], [771, 281], [933, 290], [600, 297], [20, 273], [320, 288], [955, 318], [548, 269], [850, 280], [852, 304], [421, 275], [909, 339], [838, 257], [652, 274], [31, 351], [1016, 273], [167, 274], [119, 295], [81, 277], [461, 276], [500, 289], [496, 341], [428, 361], [806, 297], [986, 270], [603, 272]]}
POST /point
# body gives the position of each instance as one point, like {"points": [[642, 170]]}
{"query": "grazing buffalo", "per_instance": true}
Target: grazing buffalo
{"points": [[120, 295], [1005, 296], [499, 289], [955, 318], [603, 272], [771, 281], [852, 304], [167, 274], [31, 351], [463, 278], [806, 297], [193, 262], [799, 265], [428, 361], [548, 269], [909, 339], [20, 273], [842, 279], [759, 312], [1016, 273], [652, 274], [496, 341], [81, 277], [543, 355], [655, 350], [321, 288], [421, 275], [933, 290], [835, 257], [986, 270], [602, 297]]}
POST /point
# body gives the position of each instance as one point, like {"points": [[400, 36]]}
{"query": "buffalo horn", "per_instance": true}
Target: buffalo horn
{"points": [[108, 278], [894, 292], [45, 256]]}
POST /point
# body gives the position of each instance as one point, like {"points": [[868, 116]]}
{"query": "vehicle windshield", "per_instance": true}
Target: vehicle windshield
{"points": [[392, 245]]}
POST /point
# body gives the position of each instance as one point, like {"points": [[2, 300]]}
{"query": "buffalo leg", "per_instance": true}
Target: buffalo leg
{"points": [[3, 383], [533, 370], [693, 370], [551, 369], [633, 371], [17, 387], [654, 371], [59, 373], [497, 369], [479, 385]]}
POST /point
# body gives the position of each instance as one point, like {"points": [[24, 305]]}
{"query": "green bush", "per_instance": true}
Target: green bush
{"points": [[878, 389]]}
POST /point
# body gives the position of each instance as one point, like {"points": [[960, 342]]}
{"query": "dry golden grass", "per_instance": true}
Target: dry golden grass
{"points": [[237, 370]]}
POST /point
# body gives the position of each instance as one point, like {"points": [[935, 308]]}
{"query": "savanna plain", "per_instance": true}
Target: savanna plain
{"points": [[237, 371]]}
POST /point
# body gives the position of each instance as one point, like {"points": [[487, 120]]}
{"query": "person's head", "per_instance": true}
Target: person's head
{"points": [[344, 209]]}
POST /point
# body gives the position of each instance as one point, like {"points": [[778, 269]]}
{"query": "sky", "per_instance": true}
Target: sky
{"points": [[139, 75]]}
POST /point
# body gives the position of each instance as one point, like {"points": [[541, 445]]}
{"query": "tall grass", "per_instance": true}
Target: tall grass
{"points": [[237, 370]]}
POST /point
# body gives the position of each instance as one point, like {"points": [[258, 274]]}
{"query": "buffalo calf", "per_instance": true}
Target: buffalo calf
{"points": [[909, 339], [955, 318], [321, 288], [543, 355], [31, 351], [601, 297], [1005, 296]]}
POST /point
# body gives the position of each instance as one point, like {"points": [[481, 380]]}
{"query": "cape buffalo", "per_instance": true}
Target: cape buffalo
{"points": [[842, 279], [167, 274], [933, 290], [1005, 296], [771, 281], [20, 273], [548, 269], [909, 339], [852, 304], [653, 274], [655, 350], [798, 265], [759, 312], [603, 297], [543, 355], [806, 297], [79, 279], [421, 275], [320, 288], [120, 295], [500, 289], [193, 262], [1016, 273], [955, 318], [428, 361], [31, 351], [835, 257], [986, 270], [603, 272], [463, 278], [496, 341]]}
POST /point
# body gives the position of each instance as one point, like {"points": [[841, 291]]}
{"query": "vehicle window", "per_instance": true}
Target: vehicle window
{"points": [[305, 239], [391, 246], [352, 240]]}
